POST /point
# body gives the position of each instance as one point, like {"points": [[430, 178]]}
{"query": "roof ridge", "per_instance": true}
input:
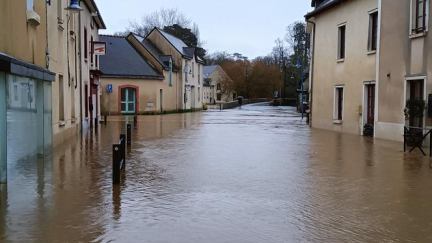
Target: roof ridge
{"points": [[116, 36]]}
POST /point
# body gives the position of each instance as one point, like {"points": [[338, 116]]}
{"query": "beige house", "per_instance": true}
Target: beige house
{"points": [[217, 86], [135, 85], [90, 98], [25, 83], [342, 79], [404, 65], [70, 38], [369, 57], [155, 74]]}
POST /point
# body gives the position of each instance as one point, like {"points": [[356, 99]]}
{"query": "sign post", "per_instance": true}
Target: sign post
{"points": [[109, 90]]}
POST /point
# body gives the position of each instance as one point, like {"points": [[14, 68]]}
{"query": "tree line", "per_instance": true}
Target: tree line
{"points": [[279, 70]]}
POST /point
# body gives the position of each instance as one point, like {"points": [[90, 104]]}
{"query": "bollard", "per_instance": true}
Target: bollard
{"points": [[220, 106], [96, 122], [105, 119], [404, 140], [135, 119], [123, 148], [129, 134], [116, 163]]}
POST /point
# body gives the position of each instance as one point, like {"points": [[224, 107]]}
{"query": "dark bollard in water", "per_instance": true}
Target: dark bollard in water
{"points": [[116, 163], [105, 119]]}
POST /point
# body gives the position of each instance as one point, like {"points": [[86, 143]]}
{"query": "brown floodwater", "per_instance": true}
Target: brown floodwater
{"points": [[252, 174]]}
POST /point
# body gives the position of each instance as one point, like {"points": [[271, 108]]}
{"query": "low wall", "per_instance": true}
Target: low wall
{"points": [[234, 104]]}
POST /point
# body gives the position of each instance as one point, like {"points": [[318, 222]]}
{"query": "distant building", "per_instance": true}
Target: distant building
{"points": [[217, 86], [137, 86]]}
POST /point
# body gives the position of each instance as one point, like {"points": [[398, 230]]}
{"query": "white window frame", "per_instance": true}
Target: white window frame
{"points": [[30, 5], [412, 24], [338, 57], [369, 47], [336, 103]]}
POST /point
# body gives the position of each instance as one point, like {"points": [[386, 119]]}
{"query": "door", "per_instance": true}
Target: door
{"points": [[94, 102], [416, 92], [371, 104], [128, 101]]}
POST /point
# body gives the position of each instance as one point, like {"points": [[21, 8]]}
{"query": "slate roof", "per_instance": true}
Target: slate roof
{"points": [[122, 60], [155, 52], [324, 6], [178, 44], [208, 70]]}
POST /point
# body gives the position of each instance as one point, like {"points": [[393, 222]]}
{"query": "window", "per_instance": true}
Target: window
{"points": [[91, 47], [420, 15], [199, 93], [186, 69], [199, 74], [16, 92], [30, 5], [338, 103], [219, 86], [60, 12], [341, 42], [373, 31], [219, 96], [61, 98], [85, 44]]}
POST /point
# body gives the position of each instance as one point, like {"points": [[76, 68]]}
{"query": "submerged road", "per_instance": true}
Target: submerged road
{"points": [[252, 174]]}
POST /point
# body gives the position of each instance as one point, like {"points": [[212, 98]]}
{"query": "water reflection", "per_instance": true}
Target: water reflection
{"points": [[255, 174]]}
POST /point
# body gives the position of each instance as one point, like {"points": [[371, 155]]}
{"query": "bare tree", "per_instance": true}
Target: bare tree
{"points": [[160, 19]]}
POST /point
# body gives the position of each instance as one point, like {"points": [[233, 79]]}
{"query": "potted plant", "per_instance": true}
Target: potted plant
{"points": [[414, 110]]}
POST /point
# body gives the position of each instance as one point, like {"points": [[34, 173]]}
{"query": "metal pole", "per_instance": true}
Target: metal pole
{"points": [[430, 143], [302, 92], [129, 134], [105, 119], [404, 140], [123, 148], [116, 163]]}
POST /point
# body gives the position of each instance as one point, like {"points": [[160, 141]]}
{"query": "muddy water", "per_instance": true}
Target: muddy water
{"points": [[255, 174]]}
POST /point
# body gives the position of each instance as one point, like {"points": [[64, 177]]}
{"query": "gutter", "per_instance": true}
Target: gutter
{"points": [[311, 74], [322, 9]]}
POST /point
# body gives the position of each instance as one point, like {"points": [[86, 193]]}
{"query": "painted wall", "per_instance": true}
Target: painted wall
{"points": [[87, 65], [149, 99], [63, 61], [358, 67], [403, 56], [192, 85], [20, 39]]}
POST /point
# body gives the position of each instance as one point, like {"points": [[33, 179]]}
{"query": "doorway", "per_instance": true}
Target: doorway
{"points": [[415, 91], [128, 101], [370, 104]]}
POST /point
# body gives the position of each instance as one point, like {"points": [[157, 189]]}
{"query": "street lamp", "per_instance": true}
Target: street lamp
{"points": [[302, 87], [74, 6]]}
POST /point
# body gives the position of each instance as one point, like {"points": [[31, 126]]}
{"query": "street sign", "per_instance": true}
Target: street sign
{"points": [[99, 48], [276, 94], [109, 88]]}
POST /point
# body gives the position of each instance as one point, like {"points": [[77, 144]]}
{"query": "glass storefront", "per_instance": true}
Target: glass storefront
{"points": [[29, 129]]}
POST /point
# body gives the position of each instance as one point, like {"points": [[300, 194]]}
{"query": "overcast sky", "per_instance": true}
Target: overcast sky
{"points": [[249, 27]]}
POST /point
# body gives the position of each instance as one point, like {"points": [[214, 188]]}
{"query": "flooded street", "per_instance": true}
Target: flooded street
{"points": [[252, 174]]}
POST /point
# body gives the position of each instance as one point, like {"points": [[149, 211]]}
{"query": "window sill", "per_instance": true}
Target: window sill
{"points": [[337, 121], [340, 60], [418, 35], [371, 52], [62, 123]]}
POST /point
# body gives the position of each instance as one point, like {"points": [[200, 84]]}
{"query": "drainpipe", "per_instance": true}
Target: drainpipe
{"points": [[311, 76], [81, 73]]}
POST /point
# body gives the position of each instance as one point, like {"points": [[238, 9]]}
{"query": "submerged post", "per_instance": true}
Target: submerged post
{"points": [[116, 163], [404, 139], [135, 119], [129, 134], [430, 143], [123, 148], [105, 119]]}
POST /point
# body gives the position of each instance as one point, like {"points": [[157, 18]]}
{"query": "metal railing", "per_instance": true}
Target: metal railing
{"points": [[414, 137]]}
